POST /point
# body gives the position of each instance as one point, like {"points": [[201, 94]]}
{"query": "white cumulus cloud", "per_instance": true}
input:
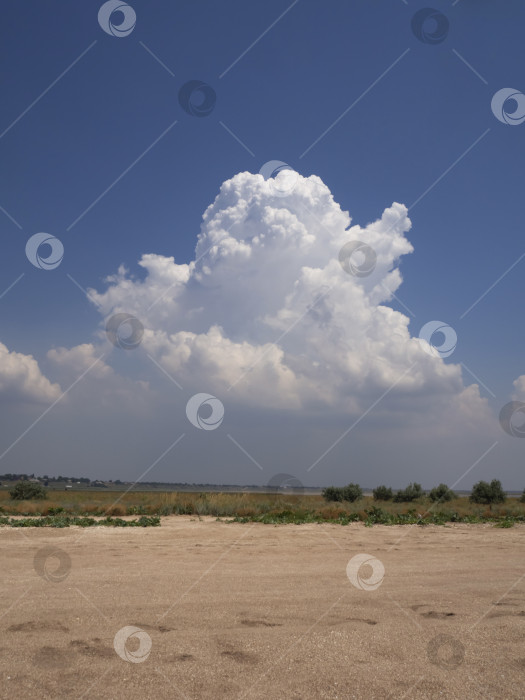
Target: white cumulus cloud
{"points": [[96, 383], [519, 388], [266, 315], [22, 380], [80, 359]]}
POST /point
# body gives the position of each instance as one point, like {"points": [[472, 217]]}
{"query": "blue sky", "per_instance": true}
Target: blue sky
{"points": [[421, 120]]}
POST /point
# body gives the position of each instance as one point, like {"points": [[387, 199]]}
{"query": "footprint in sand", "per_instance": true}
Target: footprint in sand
{"points": [[52, 657], [506, 613], [366, 620], [240, 656], [260, 623], [156, 628], [36, 626], [95, 647], [230, 651], [431, 614]]}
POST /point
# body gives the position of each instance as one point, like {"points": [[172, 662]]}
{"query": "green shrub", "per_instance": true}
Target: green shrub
{"points": [[383, 493], [411, 492], [27, 491], [442, 517], [441, 493], [184, 508], [522, 499], [376, 515], [352, 492], [350, 518], [333, 493], [409, 517], [506, 522], [483, 492], [136, 510]]}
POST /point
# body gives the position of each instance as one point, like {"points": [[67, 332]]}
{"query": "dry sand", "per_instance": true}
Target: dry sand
{"points": [[261, 611]]}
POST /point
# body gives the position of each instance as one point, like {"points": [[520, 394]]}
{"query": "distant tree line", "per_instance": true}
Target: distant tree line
{"points": [[85, 480], [482, 492], [50, 479]]}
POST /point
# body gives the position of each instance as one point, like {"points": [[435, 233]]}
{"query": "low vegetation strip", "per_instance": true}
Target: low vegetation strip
{"points": [[68, 520], [378, 516], [440, 506]]}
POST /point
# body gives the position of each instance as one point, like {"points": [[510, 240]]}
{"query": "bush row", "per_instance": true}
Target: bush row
{"points": [[482, 492]]}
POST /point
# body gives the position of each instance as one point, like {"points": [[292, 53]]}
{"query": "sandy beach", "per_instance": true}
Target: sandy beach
{"points": [[258, 611]]}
